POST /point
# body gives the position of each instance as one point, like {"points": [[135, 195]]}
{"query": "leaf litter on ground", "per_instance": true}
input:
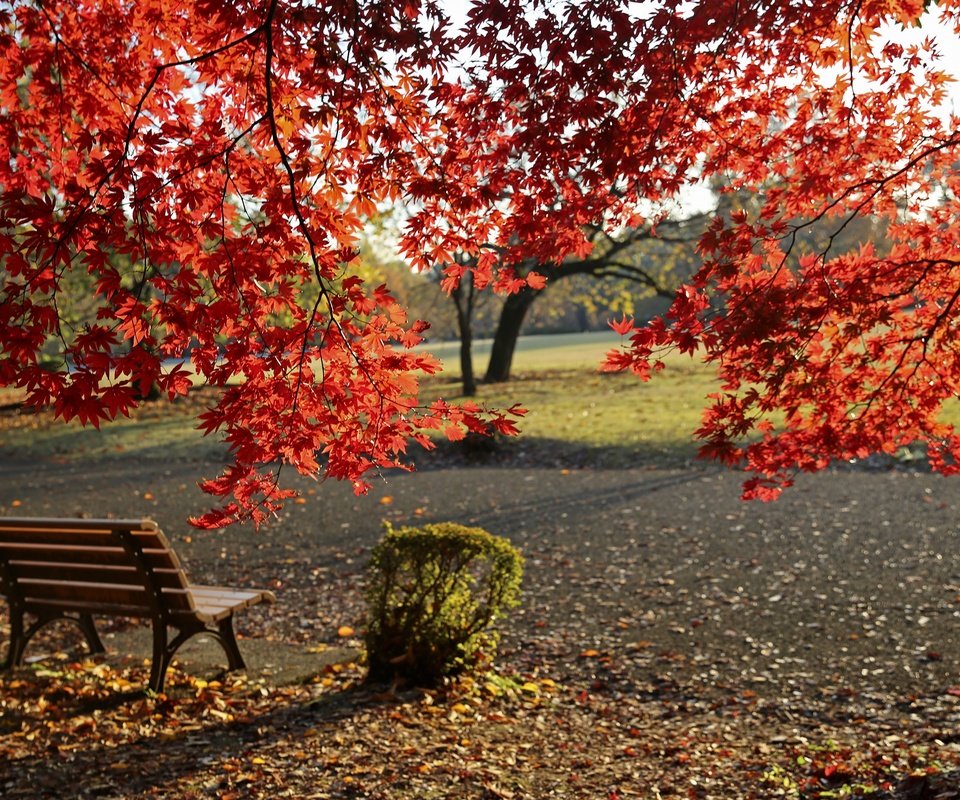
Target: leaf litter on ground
{"points": [[88, 725]]}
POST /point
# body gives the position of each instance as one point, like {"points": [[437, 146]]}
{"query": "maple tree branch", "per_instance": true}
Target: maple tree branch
{"points": [[323, 296], [634, 274], [924, 340], [876, 186], [341, 88], [270, 115], [854, 13], [929, 264], [58, 40], [206, 161], [55, 299], [72, 223], [225, 246]]}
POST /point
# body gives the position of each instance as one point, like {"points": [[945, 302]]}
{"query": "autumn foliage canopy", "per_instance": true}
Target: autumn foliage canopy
{"points": [[185, 184]]}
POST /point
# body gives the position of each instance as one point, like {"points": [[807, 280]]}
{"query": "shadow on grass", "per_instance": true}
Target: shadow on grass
{"points": [[172, 440], [146, 439]]}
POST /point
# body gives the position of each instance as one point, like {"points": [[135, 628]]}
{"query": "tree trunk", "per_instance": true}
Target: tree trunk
{"points": [[463, 301], [466, 361], [583, 321], [514, 311]]}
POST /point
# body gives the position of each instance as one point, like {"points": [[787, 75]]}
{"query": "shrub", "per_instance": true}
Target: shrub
{"points": [[433, 596]]}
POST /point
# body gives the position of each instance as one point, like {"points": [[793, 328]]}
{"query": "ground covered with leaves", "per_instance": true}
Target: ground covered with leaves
{"points": [[672, 643]]}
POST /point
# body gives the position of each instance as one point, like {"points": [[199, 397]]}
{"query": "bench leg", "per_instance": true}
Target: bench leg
{"points": [[20, 638], [163, 651], [162, 655], [85, 621], [18, 642], [228, 641]]}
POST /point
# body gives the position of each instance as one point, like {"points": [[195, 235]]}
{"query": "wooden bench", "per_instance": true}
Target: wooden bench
{"points": [[75, 568]]}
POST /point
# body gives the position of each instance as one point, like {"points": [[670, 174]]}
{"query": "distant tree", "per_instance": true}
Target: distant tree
{"points": [[637, 256]]}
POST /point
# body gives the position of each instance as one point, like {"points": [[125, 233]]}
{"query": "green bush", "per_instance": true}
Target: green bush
{"points": [[433, 596]]}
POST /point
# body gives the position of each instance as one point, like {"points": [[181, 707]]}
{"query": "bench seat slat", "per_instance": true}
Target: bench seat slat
{"points": [[203, 613], [231, 596], [215, 603], [40, 605]]}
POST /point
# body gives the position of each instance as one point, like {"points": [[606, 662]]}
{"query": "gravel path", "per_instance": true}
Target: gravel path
{"points": [[847, 586], [677, 643]]}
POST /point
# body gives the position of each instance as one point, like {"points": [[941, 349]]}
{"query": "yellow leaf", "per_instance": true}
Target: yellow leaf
{"points": [[344, 631], [285, 126], [386, 500]]}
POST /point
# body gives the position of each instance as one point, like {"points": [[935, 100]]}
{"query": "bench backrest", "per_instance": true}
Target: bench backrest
{"points": [[108, 566]]}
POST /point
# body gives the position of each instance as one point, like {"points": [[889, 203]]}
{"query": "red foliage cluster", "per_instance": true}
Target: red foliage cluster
{"points": [[826, 354], [196, 176]]}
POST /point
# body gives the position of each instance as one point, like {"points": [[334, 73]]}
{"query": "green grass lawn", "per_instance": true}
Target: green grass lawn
{"points": [[575, 413], [571, 405], [616, 416], [534, 353], [158, 431]]}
